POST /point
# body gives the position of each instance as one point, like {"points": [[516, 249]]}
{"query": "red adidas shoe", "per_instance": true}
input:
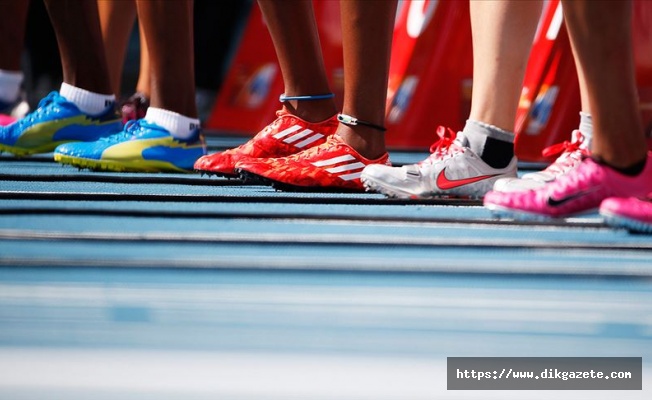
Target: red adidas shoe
{"points": [[332, 166], [287, 135]]}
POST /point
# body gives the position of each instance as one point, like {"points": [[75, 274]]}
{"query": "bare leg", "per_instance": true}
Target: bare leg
{"points": [[77, 26], [293, 29], [600, 34], [167, 26], [144, 77], [584, 94], [367, 28], [13, 17], [117, 20], [502, 37]]}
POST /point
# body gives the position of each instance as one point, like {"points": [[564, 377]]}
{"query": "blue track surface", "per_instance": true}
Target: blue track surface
{"points": [[318, 295]]}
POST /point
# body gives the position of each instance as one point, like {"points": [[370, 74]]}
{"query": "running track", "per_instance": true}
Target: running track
{"points": [[157, 286]]}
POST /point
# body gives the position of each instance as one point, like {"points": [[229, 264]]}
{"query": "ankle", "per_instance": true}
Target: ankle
{"points": [[311, 111], [88, 102], [495, 146], [368, 142], [309, 107], [630, 169]]}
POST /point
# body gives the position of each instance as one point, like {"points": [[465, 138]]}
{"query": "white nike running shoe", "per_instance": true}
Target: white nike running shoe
{"points": [[570, 158], [452, 169]]}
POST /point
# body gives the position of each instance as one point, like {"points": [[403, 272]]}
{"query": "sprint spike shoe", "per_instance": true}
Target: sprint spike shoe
{"points": [[56, 121], [142, 146], [633, 214], [571, 154], [580, 191], [331, 166], [452, 169], [287, 135]]}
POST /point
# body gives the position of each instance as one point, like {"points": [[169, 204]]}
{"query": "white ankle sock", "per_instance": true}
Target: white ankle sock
{"points": [[477, 132], [180, 126], [495, 146], [88, 102], [10, 82], [586, 127]]}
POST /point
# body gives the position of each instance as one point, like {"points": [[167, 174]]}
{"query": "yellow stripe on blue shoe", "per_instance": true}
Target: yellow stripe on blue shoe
{"points": [[54, 122], [141, 147]]}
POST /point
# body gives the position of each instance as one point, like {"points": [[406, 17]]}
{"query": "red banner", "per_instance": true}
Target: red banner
{"points": [[431, 69]]}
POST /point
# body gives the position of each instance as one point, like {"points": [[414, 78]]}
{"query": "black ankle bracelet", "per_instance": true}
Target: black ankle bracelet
{"points": [[283, 98], [353, 121]]}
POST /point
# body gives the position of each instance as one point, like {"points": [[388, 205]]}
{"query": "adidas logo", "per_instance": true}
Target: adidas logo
{"points": [[299, 139], [342, 167]]}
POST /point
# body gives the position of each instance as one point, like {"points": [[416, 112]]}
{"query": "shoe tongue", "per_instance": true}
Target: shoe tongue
{"points": [[412, 169], [586, 140], [586, 144], [461, 140]]}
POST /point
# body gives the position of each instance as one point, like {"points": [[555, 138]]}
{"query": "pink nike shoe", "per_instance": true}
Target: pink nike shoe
{"points": [[570, 157], [581, 190], [6, 120], [633, 214]]}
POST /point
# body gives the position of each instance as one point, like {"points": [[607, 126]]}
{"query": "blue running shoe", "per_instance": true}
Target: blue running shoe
{"points": [[56, 121], [141, 147]]}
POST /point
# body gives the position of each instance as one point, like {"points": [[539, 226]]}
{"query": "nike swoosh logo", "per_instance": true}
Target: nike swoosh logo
{"points": [[445, 183], [552, 202]]}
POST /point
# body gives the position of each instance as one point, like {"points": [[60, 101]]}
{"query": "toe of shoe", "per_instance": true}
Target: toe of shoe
{"points": [[376, 171], [255, 166], [219, 162], [69, 149], [204, 162], [497, 198]]}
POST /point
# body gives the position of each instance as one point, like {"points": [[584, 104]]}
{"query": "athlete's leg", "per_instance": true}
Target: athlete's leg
{"points": [[117, 21], [366, 38], [620, 166], [600, 34], [144, 83], [367, 28], [13, 18], [167, 26], [483, 152], [502, 37], [85, 100], [293, 29], [76, 24]]}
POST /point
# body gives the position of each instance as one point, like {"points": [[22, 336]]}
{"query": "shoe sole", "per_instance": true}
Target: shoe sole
{"points": [[373, 186], [393, 193], [519, 215], [249, 177], [23, 152], [632, 225], [508, 213], [119, 166], [216, 174]]}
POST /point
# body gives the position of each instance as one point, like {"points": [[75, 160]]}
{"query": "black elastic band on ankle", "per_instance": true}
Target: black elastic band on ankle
{"points": [[349, 120], [283, 98], [632, 170]]}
